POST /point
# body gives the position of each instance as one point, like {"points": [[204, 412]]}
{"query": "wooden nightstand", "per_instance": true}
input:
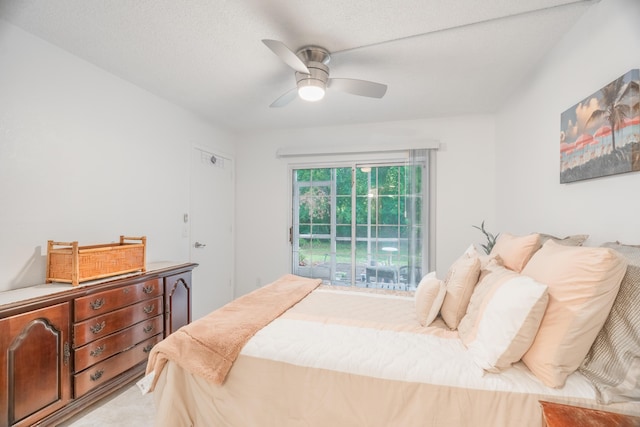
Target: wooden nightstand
{"points": [[558, 415]]}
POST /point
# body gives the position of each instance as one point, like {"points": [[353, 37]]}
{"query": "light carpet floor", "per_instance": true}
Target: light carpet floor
{"points": [[125, 408]]}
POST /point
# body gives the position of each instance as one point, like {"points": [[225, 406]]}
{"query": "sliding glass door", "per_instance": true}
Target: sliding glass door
{"points": [[360, 225]]}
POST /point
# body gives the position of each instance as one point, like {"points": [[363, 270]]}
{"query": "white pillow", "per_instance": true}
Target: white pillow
{"points": [[428, 298], [509, 318]]}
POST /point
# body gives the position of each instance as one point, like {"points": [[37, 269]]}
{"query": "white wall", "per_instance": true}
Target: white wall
{"points": [[602, 46], [87, 156], [465, 187]]}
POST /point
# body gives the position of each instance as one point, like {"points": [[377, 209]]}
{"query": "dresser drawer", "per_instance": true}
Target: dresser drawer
{"points": [[102, 372], [104, 302], [103, 348], [101, 326]]}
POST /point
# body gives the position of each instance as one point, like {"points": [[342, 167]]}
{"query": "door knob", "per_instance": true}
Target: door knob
{"points": [[200, 245]]}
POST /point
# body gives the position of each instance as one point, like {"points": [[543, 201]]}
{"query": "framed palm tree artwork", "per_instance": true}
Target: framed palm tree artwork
{"points": [[600, 135]]}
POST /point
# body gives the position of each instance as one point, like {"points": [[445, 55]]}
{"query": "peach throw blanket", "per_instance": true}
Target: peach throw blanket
{"points": [[209, 346]]}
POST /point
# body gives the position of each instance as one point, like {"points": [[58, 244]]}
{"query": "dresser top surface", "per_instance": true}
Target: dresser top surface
{"points": [[44, 290]]}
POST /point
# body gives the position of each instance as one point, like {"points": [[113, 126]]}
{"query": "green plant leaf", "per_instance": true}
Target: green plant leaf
{"points": [[491, 239]]}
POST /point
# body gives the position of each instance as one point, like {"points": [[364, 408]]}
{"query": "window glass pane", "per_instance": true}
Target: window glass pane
{"points": [[319, 230], [388, 179], [388, 232], [343, 232], [321, 210], [304, 229], [362, 179], [388, 210], [362, 209], [343, 181], [303, 175], [343, 209], [306, 191], [361, 232], [321, 174], [303, 215], [343, 262]]}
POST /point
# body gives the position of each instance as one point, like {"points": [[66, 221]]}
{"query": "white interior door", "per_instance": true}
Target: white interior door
{"points": [[212, 206]]}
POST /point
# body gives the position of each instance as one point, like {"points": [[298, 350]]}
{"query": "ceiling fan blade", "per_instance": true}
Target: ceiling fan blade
{"points": [[285, 99], [286, 55], [359, 87]]}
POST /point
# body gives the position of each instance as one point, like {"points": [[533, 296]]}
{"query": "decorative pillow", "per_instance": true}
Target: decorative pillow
{"points": [[573, 240], [493, 274], [460, 281], [613, 362], [509, 317], [429, 297], [516, 251], [583, 283]]}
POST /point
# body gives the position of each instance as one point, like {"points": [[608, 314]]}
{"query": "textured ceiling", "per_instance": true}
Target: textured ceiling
{"points": [[438, 57]]}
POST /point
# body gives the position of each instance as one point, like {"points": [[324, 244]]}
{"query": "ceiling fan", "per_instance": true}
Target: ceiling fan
{"points": [[312, 75]]}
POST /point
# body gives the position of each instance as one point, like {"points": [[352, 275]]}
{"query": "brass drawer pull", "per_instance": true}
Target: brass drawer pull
{"points": [[148, 348], [97, 304], [149, 308], [97, 375], [97, 351], [148, 328], [148, 289], [97, 327]]}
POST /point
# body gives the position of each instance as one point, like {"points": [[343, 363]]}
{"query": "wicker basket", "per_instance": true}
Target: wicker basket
{"points": [[70, 263]]}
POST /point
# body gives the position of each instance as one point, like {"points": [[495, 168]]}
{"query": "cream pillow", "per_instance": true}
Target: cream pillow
{"points": [[460, 281], [516, 251], [508, 319], [583, 283], [428, 298]]}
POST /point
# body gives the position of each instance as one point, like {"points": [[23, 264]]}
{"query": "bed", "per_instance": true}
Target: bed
{"points": [[332, 356]]}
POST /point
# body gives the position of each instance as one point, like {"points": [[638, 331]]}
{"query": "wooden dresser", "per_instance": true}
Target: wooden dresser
{"points": [[70, 346]]}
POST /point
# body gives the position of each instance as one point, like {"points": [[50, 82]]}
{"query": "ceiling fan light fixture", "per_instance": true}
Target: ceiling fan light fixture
{"points": [[311, 90], [312, 75]]}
